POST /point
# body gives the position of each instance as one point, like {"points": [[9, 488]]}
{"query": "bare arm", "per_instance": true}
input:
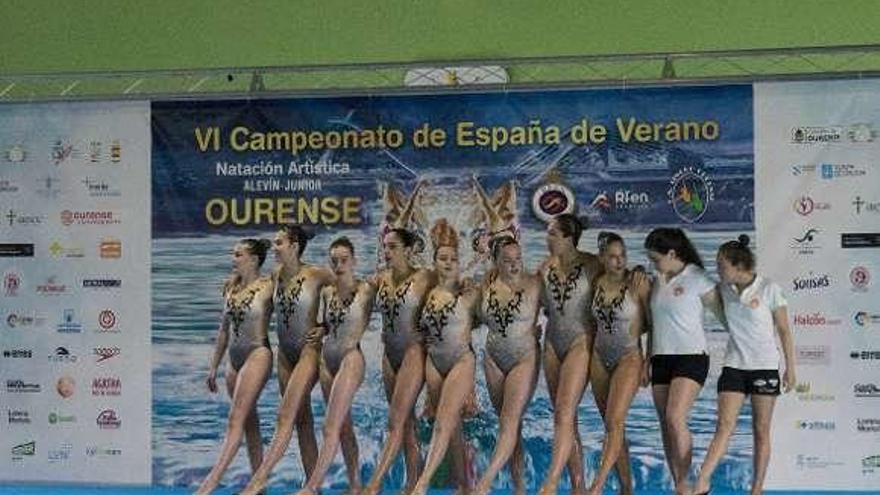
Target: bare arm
{"points": [[780, 321], [492, 218], [219, 350], [408, 210], [712, 300]]}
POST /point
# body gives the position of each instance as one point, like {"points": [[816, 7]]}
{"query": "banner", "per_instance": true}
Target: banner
{"points": [[819, 220], [629, 160], [75, 301]]}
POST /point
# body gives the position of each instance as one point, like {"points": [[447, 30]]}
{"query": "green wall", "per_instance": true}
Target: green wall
{"points": [[104, 35]]}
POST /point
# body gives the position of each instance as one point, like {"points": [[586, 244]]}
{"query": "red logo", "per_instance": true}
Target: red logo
{"points": [[11, 284], [107, 319], [677, 290], [755, 303], [860, 277], [804, 205], [107, 386], [108, 420]]}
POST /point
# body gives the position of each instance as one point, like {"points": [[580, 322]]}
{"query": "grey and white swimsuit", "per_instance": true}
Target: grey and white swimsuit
{"points": [[248, 320], [400, 307], [446, 329], [511, 336], [566, 302], [345, 321], [296, 321], [614, 338]]}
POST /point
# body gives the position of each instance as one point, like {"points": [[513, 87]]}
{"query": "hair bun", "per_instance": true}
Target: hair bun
{"points": [[442, 234], [265, 244], [743, 240]]}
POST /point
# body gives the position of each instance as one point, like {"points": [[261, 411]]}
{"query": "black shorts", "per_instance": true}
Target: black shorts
{"points": [[665, 367], [749, 382]]}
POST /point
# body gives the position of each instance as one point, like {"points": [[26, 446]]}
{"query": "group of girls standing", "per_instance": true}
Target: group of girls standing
{"points": [[596, 310]]}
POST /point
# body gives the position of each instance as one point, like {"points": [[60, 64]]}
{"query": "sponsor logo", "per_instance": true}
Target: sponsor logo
{"points": [[868, 425], [7, 186], [23, 450], [59, 419], [110, 248], [621, 200], [806, 205], [798, 170], [108, 420], [830, 171], [68, 323], [62, 355], [16, 250], [816, 134], [49, 187], [812, 282], [690, 193], [63, 151], [865, 355], [22, 387], [861, 133], [552, 199], [18, 219], [862, 206], [106, 386], [93, 217], [866, 390], [18, 417], [102, 283], [809, 461], [99, 188], [860, 240], [107, 322], [97, 153], [816, 319], [601, 202], [51, 287], [805, 393], [65, 386], [24, 319], [61, 454], [806, 243], [860, 278], [58, 250], [813, 354], [864, 319], [11, 284], [815, 425], [870, 464], [104, 353], [18, 353], [15, 154], [102, 451]]}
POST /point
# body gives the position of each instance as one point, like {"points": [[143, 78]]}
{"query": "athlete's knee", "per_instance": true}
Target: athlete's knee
{"points": [[675, 424]]}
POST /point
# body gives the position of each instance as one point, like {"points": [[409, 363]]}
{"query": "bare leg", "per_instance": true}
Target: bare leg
{"points": [[617, 395], [729, 405], [682, 393], [298, 388], [401, 422], [513, 392], [572, 377], [661, 398], [253, 439], [248, 383], [456, 388], [762, 412], [341, 394]]}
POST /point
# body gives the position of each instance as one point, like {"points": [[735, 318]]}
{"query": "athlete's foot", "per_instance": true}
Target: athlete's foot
{"points": [[549, 488], [580, 490], [207, 486], [306, 491], [683, 488], [355, 490], [370, 489], [700, 488], [594, 490], [480, 489], [255, 487]]}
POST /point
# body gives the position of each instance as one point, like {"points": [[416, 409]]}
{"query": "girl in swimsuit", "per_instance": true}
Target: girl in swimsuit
{"points": [[297, 290], [446, 323], [756, 312], [566, 276], [402, 290], [619, 313], [346, 307], [246, 315], [678, 361], [510, 304]]}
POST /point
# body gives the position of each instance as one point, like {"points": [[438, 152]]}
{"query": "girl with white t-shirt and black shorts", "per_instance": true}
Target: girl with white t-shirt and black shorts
{"points": [[678, 363], [756, 310]]}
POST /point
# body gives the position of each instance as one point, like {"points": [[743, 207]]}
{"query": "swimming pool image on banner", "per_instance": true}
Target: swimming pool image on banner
{"points": [[627, 160]]}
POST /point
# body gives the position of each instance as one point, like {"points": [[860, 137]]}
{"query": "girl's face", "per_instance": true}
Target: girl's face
{"points": [[393, 248], [285, 251], [556, 241], [341, 261], [728, 272], [242, 259], [446, 262], [614, 258], [663, 263], [510, 262]]}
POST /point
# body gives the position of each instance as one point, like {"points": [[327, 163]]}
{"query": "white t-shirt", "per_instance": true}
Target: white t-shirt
{"points": [[752, 344], [677, 312]]}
